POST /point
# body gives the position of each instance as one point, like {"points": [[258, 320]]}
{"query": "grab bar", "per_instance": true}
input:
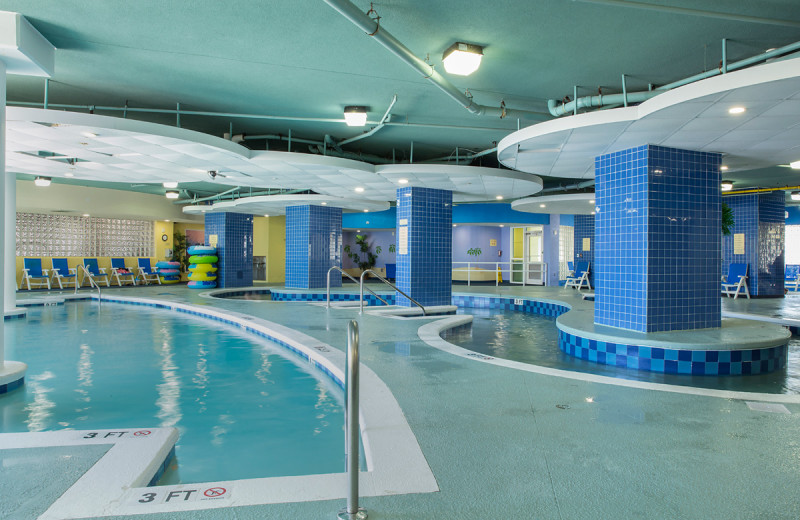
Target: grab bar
{"points": [[352, 430], [390, 284], [354, 280], [92, 283]]}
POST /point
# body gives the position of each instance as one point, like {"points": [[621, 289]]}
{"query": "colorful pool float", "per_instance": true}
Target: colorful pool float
{"points": [[203, 267], [169, 272]]}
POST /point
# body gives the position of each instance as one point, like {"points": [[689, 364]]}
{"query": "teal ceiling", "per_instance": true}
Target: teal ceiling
{"points": [[300, 58]]}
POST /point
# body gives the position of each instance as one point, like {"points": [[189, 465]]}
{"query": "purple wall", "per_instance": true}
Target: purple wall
{"points": [[375, 239]]}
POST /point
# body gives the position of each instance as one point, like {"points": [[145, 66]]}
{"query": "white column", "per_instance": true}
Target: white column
{"points": [[10, 240]]}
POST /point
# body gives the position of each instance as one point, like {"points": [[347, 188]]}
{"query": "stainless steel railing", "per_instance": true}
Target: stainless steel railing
{"points": [[334, 268], [352, 430], [390, 284], [92, 282]]}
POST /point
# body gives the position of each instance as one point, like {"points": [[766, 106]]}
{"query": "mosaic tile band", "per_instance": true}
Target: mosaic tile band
{"points": [[13, 385]]}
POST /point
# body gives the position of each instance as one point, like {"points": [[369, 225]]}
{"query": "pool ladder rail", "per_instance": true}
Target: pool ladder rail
{"points": [[352, 429], [92, 282], [360, 282]]}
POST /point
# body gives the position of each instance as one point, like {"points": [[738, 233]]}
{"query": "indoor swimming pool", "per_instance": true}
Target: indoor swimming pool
{"points": [[533, 339], [244, 407]]}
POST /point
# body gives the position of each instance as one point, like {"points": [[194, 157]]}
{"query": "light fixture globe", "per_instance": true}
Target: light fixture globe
{"points": [[172, 194], [355, 115], [42, 181], [726, 185], [462, 58]]}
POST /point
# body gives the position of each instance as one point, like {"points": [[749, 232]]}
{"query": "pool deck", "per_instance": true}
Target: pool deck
{"points": [[511, 443]]}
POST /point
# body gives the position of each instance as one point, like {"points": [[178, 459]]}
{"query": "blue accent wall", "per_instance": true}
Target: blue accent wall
{"points": [[793, 219], [760, 218], [658, 239], [425, 269], [234, 247], [584, 228], [313, 246], [375, 239], [499, 213]]}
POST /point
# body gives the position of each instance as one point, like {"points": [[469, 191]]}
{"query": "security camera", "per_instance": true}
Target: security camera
{"points": [[212, 174]]}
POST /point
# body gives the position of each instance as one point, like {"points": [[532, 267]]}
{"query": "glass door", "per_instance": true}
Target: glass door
{"points": [[533, 265]]}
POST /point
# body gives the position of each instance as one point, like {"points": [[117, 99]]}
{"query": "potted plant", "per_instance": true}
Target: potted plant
{"points": [[364, 258]]}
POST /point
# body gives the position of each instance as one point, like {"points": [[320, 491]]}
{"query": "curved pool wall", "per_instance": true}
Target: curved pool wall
{"points": [[602, 349]]}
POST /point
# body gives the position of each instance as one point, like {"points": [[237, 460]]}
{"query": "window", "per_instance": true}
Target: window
{"points": [[61, 235], [566, 246]]}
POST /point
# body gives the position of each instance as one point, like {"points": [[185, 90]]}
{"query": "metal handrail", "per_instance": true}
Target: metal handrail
{"points": [[92, 283], [352, 430], [390, 284], [354, 280]]}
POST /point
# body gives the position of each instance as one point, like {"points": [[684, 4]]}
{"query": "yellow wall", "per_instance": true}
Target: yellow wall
{"points": [[269, 239]]}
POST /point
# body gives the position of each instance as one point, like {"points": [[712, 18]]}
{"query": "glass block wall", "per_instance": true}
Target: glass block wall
{"points": [[566, 250], [313, 246], [584, 252], [40, 234], [234, 232], [424, 245], [760, 218], [658, 239]]}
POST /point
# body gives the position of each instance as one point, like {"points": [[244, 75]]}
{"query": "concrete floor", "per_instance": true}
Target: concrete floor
{"points": [[512, 444]]}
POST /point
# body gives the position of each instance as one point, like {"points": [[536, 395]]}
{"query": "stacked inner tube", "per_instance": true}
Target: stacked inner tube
{"points": [[169, 272], [203, 267]]}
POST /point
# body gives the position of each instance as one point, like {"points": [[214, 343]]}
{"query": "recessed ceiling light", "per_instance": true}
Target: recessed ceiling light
{"points": [[542, 205], [267, 216], [359, 189], [502, 225], [462, 58], [358, 231], [172, 194], [166, 220], [499, 197], [355, 115], [366, 211], [85, 214], [723, 168], [42, 181], [726, 185], [736, 110], [69, 174], [454, 225], [324, 203], [402, 181], [170, 184], [88, 134]]}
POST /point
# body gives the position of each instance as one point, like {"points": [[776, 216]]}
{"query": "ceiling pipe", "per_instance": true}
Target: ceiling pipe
{"points": [[759, 190], [467, 158], [375, 159], [577, 186], [381, 124], [219, 196], [382, 36], [559, 110]]}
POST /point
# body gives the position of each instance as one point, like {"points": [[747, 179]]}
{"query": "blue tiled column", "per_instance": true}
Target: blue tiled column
{"points": [[234, 233], [424, 245], [313, 246], [658, 239], [760, 218], [584, 228]]}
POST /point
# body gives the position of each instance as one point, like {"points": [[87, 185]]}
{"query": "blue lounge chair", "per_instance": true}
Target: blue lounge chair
{"points": [[580, 276], [32, 273], [121, 273], [94, 272], [63, 274], [736, 282], [146, 272]]}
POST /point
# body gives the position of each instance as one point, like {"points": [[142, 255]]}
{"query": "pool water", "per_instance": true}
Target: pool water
{"points": [[245, 407], [533, 339]]}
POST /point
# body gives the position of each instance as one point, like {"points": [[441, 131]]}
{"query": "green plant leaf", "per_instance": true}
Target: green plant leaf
{"points": [[378, 250], [727, 219]]}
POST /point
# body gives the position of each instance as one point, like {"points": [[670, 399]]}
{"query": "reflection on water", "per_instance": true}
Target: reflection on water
{"points": [[243, 409], [533, 339]]}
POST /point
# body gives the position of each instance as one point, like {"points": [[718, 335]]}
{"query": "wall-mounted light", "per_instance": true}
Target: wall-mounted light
{"points": [[170, 184], [795, 195], [726, 185], [462, 58], [355, 115], [42, 181], [172, 194]]}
